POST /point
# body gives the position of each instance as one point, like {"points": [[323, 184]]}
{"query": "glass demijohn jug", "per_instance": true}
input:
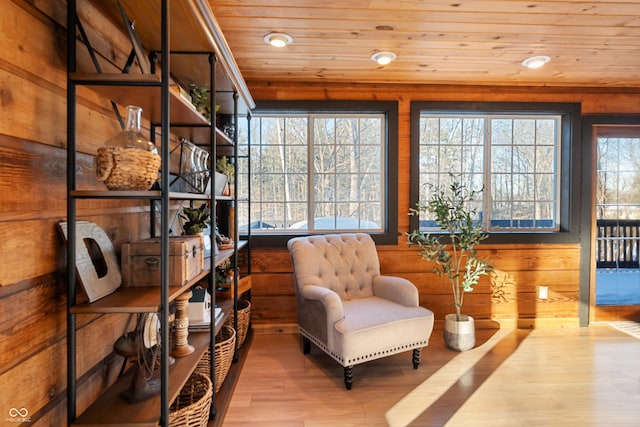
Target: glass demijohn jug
{"points": [[128, 160]]}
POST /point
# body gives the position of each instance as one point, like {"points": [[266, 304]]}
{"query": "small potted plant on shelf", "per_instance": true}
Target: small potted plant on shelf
{"points": [[200, 99], [224, 166], [197, 219], [453, 253]]}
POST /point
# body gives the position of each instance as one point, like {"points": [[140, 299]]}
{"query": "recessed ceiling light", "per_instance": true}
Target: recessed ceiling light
{"points": [[278, 39], [536, 61], [383, 58]]}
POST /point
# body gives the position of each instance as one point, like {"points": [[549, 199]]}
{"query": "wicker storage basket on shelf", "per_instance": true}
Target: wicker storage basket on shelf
{"points": [[127, 168], [191, 407], [244, 318], [224, 348]]}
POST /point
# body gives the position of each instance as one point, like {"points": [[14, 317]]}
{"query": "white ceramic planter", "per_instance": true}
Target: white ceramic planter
{"points": [[459, 335]]}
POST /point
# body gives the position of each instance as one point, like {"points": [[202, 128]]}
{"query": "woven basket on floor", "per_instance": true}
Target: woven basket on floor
{"points": [[191, 407], [244, 319], [224, 348]]}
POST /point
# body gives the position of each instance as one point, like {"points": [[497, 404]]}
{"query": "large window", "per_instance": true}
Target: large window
{"points": [[518, 155], [318, 168]]}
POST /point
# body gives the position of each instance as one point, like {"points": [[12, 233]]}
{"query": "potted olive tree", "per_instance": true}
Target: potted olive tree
{"points": [[453, 253]]}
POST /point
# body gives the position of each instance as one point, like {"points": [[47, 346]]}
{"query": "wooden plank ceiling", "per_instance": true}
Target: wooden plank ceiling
{"points": [[591, 44]]}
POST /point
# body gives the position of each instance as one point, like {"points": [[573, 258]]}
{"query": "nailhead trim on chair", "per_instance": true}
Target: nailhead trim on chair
{"points": [[363, 358]]}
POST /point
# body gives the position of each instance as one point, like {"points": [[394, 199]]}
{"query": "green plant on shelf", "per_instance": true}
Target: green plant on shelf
{"points": [[223, 165], [200, 100], [196, 219]]}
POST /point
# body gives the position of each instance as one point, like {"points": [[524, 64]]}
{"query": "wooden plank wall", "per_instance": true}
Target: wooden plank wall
{"points": [[33, 200], [510, 297]]}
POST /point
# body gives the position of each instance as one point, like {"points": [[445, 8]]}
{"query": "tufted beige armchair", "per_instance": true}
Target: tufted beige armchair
{"points": [[347, 309]]}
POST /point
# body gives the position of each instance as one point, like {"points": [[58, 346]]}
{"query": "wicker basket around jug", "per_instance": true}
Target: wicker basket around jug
{"points": [[128, 161]]}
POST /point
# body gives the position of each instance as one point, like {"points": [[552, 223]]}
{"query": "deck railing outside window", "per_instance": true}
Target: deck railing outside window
{"points": [[618, 243]]}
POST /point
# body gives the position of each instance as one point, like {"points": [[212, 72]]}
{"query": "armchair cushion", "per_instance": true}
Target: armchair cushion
{"points": [[374, 327]]}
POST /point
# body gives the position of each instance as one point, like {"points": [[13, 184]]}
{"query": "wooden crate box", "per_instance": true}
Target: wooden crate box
{"points": [[141, 261]]}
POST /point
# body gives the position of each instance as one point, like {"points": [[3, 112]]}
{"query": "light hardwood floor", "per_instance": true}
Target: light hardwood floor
{"points": [[545, 377]]}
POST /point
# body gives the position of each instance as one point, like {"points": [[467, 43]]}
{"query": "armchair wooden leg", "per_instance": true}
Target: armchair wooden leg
{"points": [[416, 357], [306, 345], [348, 377]]}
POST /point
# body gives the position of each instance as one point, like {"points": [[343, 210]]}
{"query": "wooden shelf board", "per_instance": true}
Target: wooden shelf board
{"points": [[106, 194], [115, 79], [224, 254], [140, 195], [223, 140], [135, 299], [111, 409], [244, 285]]}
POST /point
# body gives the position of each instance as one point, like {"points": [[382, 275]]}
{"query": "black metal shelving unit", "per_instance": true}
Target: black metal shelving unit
{"points": [[163, 108]]}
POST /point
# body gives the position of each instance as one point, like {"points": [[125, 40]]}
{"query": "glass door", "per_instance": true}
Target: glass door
{"points": [[617, 217]]}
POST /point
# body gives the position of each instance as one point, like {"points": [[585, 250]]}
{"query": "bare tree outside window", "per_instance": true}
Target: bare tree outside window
{"points": [[618, 178], [312, 172], [514, 158]]}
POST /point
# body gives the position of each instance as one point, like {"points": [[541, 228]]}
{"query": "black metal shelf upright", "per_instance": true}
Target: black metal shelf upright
{"points": [[71, 212]]}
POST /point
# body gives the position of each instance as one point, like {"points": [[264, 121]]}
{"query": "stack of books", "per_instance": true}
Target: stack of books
{"points": [[205, 324]]}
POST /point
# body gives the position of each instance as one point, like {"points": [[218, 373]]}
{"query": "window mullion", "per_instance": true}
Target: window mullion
{"points": [[487, 173], [286, 209], [512, 198], [335, 192], [311, 173]]}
